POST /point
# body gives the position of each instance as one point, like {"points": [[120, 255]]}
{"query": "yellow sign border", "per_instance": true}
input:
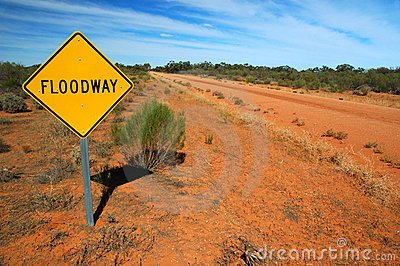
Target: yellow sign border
{"points": [[59, 49]]}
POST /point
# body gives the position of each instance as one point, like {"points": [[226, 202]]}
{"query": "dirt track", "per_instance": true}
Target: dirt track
{"points": [[362, 122]]}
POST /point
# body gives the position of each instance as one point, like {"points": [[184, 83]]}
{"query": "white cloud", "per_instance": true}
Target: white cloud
{"points": [[166, 35], [301, 33]]}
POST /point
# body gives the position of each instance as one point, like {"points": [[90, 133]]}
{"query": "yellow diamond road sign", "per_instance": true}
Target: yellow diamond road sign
{"points": [[78, 85]]}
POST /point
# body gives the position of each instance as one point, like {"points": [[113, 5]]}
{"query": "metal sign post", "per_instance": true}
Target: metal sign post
{"points": [[86, 181], [80, 86]]}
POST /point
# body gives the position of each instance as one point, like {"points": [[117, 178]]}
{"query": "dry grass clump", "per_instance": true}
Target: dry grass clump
{"points": [[49, 201], [298, 122], [239, 251], [317, 150], [369, 181], [209, 139], [219, 94], [340, 135], [152, 135], [61, 169], [371, 144], [3, 146], [5, 121], [118, 240], [237, 101], [7, 175]]}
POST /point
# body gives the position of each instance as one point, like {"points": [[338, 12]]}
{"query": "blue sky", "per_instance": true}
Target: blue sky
{"points": [[298, 33]]}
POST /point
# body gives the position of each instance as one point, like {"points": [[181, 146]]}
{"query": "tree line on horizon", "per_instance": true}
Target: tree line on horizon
{"points": [[343, 78]]}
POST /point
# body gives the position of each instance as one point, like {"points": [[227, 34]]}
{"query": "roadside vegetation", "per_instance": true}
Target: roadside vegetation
{"points": [[152, 135], [343, 78], [12, 76]]}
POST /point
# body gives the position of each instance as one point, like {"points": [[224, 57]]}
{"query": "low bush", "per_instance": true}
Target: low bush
{"points": [[378, 149], [340, 135], [57, 130], [362, 91], [7, 175], [329, 133], [298, 122], [5, 121], [60, 170], [151, 136], [12, 103], [103, 149], [3, 146], [218, 94], [237, 101], [48, 201], [371, 144]]}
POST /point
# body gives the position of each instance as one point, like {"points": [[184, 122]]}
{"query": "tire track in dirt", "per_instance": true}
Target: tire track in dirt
{"points": [[362, 122], [368, 111], [243, 155]]}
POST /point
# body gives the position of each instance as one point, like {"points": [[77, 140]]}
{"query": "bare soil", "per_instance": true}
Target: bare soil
{"points": [[244, 191]]}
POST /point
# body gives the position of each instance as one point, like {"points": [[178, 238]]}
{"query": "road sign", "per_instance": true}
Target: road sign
{"points": [[78, 85]]}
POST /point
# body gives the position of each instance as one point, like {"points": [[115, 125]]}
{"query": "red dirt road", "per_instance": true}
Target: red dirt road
{"points": [[363, 122]]}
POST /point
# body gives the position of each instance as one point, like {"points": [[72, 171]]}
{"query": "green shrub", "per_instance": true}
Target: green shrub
{"points": [[12, 103], [250, 79], [151, 136]]}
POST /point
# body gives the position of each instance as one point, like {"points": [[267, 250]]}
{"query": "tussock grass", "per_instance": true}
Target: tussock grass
{"points": [[209, 139], [152, 135], [298, 122], [371, 144], [49, 201]]}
